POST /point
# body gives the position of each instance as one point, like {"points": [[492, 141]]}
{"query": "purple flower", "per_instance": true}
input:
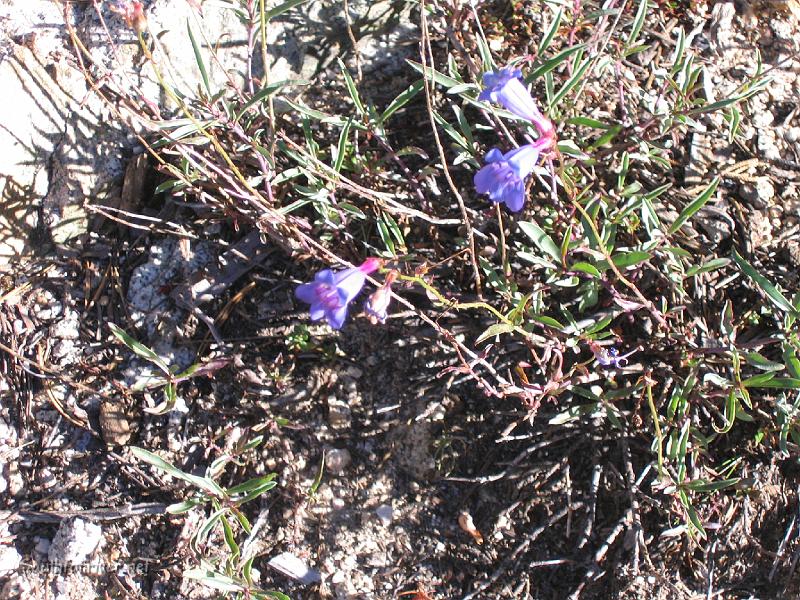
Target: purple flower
{"points": [[503, 176], [505, 87], [609, 357], [331, 292]]}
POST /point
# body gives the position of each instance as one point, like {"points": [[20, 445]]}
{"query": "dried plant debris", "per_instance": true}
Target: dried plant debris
{"points": [[397, 300]]}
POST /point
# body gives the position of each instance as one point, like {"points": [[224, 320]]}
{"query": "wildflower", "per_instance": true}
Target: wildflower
{"points": [[505, 87], [502, 177], [133, 13], [331, 292], [609, 357], [378, 303]]}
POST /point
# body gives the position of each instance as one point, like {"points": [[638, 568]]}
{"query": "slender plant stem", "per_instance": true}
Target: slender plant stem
{"points": [[426, 52]]}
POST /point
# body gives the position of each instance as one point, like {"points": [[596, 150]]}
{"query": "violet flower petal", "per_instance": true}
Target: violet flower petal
{"points": [[307, 293], [514, 196], [336, 317], [317, 311], [349, 283], [504, 174]]}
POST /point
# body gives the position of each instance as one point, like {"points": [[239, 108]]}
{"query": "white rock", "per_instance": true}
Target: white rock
{"points": [[385, 514], [66, 352], [68, 327], [758, 193], [75, 541], [146, 293], [337, 460], [10, 560], [763, 118], [792, 134], [295, 568]]}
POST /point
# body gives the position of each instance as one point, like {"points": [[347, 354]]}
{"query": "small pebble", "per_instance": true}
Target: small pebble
{"points": [[759, 193], [339, 413], [337, 460], [295, 568], [385, 514], [792, 134]]}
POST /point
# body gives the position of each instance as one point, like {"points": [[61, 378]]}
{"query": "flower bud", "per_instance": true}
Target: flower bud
{"points": [[377, 304]]}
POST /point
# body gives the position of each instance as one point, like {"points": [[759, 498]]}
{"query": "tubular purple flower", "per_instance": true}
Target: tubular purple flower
{"points": [[504, 174], [505, 87], [331, 292]]}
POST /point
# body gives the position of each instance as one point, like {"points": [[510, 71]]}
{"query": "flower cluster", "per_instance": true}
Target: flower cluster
{"points": [[504, 174], [331, 293]]}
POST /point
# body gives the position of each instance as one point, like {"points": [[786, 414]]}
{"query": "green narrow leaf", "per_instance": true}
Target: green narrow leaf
{"points": [[459, 139], [700, 485], [549, 65], [691, 513], [711, 265], [768, 381], [341, 148], [158, 462], [434, 75], [496, 329], [761, 362], [638, 23], [211, 578], [463, 125], [266, 92], [401, 100], [565, 241], [138, 348], [198, 56], [170, 399], [352, 89], [543, 241], [229, 539], [551, 31], [573, 81], [318, 115], [549, 321], [628, 259], [680, 49], [318, 478], [573, 413], [386, 237], [731, 404], [182, 507], [169, 184], [691, 208], [394, 229], [264, 483], [589, 122], [734, 119], [765, 285], [282, 8], [595, 328], [791, 361], [484, 51], [585, 267]]}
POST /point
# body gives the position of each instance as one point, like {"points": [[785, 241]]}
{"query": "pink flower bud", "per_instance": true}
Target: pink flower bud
{"points": [[377, 304]]}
